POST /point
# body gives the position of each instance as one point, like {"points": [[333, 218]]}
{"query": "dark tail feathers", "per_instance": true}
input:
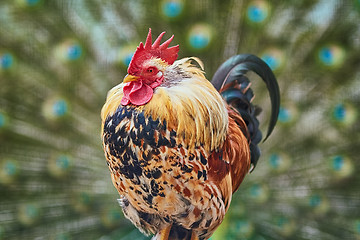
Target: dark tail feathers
{"points": [[234, 86]]}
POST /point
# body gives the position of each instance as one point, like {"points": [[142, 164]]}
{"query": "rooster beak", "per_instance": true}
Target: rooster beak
{"points": [[129, 78]]}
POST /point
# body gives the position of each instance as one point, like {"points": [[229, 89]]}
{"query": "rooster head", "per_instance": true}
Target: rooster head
{"points": [[146, 69]]}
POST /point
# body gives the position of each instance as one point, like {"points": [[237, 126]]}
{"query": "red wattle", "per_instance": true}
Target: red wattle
{"points": [[125, 101], [137, 93]]}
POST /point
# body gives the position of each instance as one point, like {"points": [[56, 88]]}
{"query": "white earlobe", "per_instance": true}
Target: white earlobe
{"points": [[159, 74]]}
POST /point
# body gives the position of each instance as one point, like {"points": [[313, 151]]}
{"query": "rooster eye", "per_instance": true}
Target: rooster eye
{"points": [[151, 70]]}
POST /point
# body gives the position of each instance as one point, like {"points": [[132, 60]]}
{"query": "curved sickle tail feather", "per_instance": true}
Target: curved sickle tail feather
{"points": [[230, 80]]}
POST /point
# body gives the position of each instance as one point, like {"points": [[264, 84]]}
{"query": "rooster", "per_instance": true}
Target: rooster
{"points": [[179, 146]]}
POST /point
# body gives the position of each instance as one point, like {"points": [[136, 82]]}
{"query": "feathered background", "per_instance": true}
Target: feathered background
{"points": [[59, 58]]}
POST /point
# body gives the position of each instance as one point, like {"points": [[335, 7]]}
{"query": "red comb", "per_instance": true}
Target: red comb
{"points": [[148, 51]]}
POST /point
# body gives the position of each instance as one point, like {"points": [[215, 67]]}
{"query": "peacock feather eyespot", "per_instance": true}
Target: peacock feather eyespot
{"points": [[110, 217], [29, 213], [344, 114], [279, 162], [200, 37], [56, 108], [331, 56], [9, 171], [3, 120], [29, 3], [357, 225], [341, 166], [274, 57], [60, 165], [258, 11], [318, 203], [7, 61], [288, 114], [172, 9], [68, 51], [284, 115], [81, 201], [241, 229], [258, 192], [60, 107], [314, 200], [285, 225]]}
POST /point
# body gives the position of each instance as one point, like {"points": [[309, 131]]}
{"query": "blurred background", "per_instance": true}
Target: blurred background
{"points": [[59, 58]]}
